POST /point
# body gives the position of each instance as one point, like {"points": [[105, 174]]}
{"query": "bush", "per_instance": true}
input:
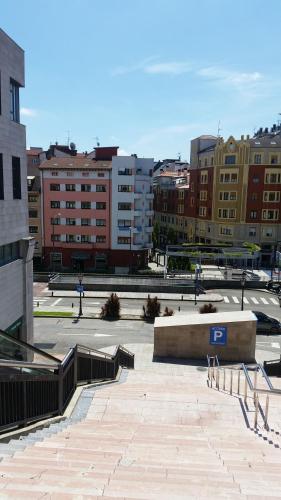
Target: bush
{"points": [[111, 309], [152, 308], [207, 308], [168, 312]]}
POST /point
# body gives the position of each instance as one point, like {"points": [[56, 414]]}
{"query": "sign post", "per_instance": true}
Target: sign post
{"points": [[218, 335]]}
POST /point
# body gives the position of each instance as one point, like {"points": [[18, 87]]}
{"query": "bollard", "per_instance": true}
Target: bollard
{"points": [[182, 297], [52, 294], [179, 308], [37, 304], [72, 305], [83, 294]]}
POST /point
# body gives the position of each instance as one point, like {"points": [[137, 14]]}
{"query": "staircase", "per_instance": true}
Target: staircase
{"points": [[158, 433]]}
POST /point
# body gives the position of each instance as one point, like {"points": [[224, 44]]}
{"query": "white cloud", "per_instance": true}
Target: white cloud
{"points": [[168, 68], [165, 133], [28, 112], [230, 78], [123, 152], [124, 70]]}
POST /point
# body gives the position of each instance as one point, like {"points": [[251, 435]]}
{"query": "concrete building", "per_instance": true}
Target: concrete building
{"points": [[16, 247], [132, 210], [92, 206]]}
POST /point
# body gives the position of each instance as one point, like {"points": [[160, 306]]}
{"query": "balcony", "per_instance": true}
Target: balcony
{"points": [[138, 196], [149, 196], [149, 213], [149, 229], [137, 212]]}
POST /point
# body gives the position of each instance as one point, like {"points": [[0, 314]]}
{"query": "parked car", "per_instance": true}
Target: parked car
{"points": [[274, 286], [266, 324]]}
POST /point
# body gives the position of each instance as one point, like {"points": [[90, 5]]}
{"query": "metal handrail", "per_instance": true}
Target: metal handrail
{"points": [[26, 364], [214, 370]]}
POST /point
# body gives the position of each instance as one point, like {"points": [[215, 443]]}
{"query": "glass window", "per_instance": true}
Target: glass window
{"points": [[100, 238], [70, 221], [125, 188], [70, 187], [54, 187], [100, 205], [85, 187], [14, 101], [230, 160], [1, 176], [16, 170], [70, 204], [257, 159], [100, 222], [33, 214], [85, 222], [124, 206], [100, 188], [85, 205], [55, 204]]}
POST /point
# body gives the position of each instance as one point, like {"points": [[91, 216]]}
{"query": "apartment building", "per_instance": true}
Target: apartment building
{"points": [[16, 247], [234, 191], [91, 208]]}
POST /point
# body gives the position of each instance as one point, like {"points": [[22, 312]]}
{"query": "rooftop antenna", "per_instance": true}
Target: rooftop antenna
{"points": [[97, 141], [219, 128], [68, 137], [279, 120], [179, 156]]}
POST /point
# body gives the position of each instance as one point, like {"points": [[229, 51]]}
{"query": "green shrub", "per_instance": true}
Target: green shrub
{"points": [[168, 311], [152, 308], [111, 309], [207, 308]]}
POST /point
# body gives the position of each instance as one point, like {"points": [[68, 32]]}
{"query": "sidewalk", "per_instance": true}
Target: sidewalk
{"points": [[208, 297]]}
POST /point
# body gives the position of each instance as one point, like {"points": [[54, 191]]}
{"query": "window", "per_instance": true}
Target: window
{"points": [[9, 252], [273, 178], [204, 177], [100, 205], [70, 222], [55, 204], [55, 237], [253, 214], [271, 196], [267, 232], [85, 238], [230, 160], [55, 221], [254, 197], [229, 178], [252, 231], [100, 238], [180, 208], [70, 238], [124, 223], [181, 194], [100, 174], [202, 211], [256, 179], [124, 206], [55, 173], [32, 199], [33, 229], [270, 214], [212, 160], [100, 222], [1, 176], [14, 101], [70, 187], [203, 195], [125, 171], [33, 214], [70, 204], [85, 174], [274, 159], [165, 207], [125, 188], [192, 201], [16, 178], [100, 188], [86, 205], [205, 162], [85, 222], [227, 195], [257, 159], [86, 188], [227, 213], [70, 174], [123, 240], [226, 231], [54, 187]]}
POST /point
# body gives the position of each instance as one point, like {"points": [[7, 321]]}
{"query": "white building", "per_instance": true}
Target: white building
{"points": [[16, 248], [131, 209]]}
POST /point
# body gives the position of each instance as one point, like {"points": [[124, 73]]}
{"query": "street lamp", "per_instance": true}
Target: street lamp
{"points": [[243, 282], [53, 234], [80, 290], [195, 285], [131, 228]]}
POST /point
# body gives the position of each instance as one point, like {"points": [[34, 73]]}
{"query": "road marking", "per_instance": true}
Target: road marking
{"points": [[254, 300], [274, 301], [226, 299], [94, 303], [103, 335], [235, 300], [56, 302], [264, 300], [275, 344], [245, 300]]}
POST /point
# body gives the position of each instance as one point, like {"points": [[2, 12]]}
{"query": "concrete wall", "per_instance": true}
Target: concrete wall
{"points": [[189, 336]]}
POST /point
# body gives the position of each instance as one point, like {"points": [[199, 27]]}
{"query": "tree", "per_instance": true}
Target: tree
{"points": [[156, 234], [152, 308], [111, 309], [207, 308], [171, 236]]}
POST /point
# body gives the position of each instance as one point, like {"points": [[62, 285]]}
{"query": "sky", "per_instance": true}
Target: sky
{"points": [[146, 75]]}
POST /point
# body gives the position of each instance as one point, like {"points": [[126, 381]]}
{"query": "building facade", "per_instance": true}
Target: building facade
{"points": [[234, 192], [91, 206], [16, 247]]}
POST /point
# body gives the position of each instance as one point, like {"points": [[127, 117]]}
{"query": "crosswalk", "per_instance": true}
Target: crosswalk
{"points": [[39, 301], [268, 301]]}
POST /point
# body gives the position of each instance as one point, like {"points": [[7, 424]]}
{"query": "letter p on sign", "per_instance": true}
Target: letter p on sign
{"points": [[218, 335]]}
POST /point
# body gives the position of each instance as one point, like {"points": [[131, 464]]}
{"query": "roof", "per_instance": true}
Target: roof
{"points": [[207, 137], [34, 152], [73, 163], [220, 318]]}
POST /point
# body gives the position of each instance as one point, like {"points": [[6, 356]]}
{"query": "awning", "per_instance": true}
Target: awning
{"points": [[81, 256]]}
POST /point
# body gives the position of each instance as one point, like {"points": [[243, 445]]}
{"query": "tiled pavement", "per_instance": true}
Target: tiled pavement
{"points": [[160, 433]]}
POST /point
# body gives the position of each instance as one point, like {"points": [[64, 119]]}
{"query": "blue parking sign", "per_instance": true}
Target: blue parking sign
{"points": [[218, 335]]}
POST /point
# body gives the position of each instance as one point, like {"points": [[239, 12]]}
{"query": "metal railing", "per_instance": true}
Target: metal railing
{"points": [[31, 390], [223, 377]]}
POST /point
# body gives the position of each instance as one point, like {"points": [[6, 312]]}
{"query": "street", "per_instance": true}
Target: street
{"points": [[56, 335]]}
